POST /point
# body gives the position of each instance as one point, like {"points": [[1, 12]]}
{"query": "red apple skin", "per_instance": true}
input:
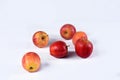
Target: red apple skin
{"points": [[83, 48], [67, 31], [78, 35], [40, 39], [58, 49], [31, 62]]}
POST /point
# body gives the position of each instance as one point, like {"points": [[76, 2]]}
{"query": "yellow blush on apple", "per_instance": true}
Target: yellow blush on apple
{"points": [[31, 62], [40, 39]]}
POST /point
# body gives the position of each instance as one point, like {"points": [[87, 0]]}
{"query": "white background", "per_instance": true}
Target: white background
{"points": [[100, 19]]}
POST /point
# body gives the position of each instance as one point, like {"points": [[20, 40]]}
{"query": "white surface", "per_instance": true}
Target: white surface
{"points": [[100, 19]]}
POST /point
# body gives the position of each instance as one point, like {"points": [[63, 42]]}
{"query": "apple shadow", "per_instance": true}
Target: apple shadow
{"points": [[118, 74], [51, 41], [71, 55], [96, 51], [44, 65]]}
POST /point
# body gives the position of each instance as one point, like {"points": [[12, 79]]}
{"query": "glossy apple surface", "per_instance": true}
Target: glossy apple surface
{"points": [[58, 49], [40, 39], [67, 31], [83, 48], [31, 62], [78, 35]]}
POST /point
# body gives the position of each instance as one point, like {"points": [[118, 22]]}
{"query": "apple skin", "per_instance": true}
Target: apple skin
{"points": [[83, 48], [40, 39], [67, 31], [31, 62], [78, 35], [58, 49]]}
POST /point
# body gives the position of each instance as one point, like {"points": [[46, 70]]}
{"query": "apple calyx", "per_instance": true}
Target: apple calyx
{"points": [[31, 68]]}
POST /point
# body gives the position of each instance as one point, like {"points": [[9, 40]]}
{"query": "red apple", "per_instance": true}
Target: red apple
{"points": [[67, 31], [83, 48], [58, 49], [78, 35], [40, 39], [31, 62]]}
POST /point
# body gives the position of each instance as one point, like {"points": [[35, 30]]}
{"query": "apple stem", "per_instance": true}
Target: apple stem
{"points": [[68, 45]]}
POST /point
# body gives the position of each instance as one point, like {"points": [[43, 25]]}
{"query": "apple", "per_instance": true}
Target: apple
{"points": [[31, 62], [78, 35], [67, 31], [58, 49], [83, 48], [40, 39]]}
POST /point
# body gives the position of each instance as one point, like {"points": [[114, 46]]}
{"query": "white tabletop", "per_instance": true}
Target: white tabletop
{"points": [[20, 19]]}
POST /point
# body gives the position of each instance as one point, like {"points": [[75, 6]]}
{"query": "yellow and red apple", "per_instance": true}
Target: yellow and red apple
{"points": [[40, 39], [79, 35], [31, 62]]}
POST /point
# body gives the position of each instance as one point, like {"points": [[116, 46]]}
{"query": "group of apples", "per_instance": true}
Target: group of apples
{"points": [[83, 47]]}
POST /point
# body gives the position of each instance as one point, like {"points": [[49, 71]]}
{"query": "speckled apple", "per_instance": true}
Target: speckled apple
{"points": [[31, 62], [67, 31], [40, 39]]}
